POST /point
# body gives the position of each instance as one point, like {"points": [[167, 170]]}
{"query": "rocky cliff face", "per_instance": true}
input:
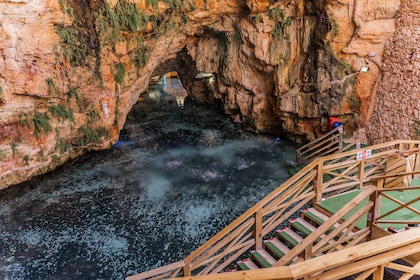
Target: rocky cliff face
{"points": [[70, 70]]}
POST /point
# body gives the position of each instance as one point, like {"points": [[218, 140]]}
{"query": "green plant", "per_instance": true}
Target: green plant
{"points": [[153, 3], [66, 8], [281, 21], [174, 4], [256, 18], [24, 120], [119, 73], [123, 17], [61, 111], [140, 55], [93, 116], [55, 159], [13, 145], [42, 123], [52, 85], [91, 135], [73, 93], [1, 95], [41, 155], [63, 146], [73, 47], [416, 129], [26, 160], [3, 154]]}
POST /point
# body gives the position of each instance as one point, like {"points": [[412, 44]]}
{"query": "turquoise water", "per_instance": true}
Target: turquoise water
{"points": [[179, 174]]}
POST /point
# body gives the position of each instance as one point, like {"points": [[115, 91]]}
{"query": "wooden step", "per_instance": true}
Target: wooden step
{"points": [[302, 226], [275, 247], [315, 217], [262, 258], [289, 236], [246, 264]]}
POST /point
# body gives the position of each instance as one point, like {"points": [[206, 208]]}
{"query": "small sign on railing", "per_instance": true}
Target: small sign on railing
{"points": [[363, 154]]}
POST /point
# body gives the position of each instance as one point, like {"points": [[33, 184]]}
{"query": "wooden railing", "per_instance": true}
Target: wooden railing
{"points": [[366, 261], [321, 178], [327, 144], [386, 185]]}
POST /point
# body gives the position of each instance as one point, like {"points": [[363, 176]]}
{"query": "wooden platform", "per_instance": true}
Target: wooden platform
{"points": [[333, 204]]}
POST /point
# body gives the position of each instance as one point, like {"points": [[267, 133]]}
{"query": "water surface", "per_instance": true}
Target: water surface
{"points": [[180, 173]]}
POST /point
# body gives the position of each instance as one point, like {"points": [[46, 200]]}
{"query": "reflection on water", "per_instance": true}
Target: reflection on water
{"points": [[174, 179]]}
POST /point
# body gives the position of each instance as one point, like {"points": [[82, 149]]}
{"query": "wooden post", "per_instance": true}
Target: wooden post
{"points": [[258, 230], [378, 274], [361, 173], [187, 269], [340, 137], [317, 183]]}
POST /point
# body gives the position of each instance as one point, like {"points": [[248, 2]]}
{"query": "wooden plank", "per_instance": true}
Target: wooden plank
{"points": [[288, 235], [157, 271], [246, 264], [263, 258], [341, 263], [276, 247], [302, 226]]}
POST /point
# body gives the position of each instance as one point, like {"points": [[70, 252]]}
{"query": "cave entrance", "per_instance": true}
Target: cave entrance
{"points": [[173, 87]]}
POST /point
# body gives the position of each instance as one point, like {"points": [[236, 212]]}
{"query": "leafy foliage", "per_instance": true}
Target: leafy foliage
{"points": [[52, 85], [73, 47], [42, 123], [66, 8], [73, 93], [61, 111], [119, 73], [91, 135]]}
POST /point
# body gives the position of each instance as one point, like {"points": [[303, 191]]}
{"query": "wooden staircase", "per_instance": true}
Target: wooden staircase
{"points": [[286, 238], [276, 233]]}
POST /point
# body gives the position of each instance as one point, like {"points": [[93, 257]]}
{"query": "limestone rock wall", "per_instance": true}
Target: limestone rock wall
{"points": [[397, 105], [71, 70]]}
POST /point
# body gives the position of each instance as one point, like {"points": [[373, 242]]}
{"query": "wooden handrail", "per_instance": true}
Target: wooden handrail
{"points": [[339, 264], [328, 143], [158, 271], [322, 176], [325, 228]]}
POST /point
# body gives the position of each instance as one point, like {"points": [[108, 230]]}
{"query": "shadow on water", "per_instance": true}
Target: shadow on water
{"points": [[179, 174]]}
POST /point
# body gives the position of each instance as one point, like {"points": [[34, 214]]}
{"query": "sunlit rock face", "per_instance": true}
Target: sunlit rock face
{"points": [[71, 70], [397, 106]]}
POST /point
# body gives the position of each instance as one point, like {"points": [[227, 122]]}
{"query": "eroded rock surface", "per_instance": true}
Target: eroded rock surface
{"points": [[70, 70]]}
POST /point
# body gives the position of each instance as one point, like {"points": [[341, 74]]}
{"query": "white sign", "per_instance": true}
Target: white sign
{"points": [[363, 154]]}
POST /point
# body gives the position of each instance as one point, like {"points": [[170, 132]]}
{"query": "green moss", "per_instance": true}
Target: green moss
{"points": [[61, 112], [42, 123]]}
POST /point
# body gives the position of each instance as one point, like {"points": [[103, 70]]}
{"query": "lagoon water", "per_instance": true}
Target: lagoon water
{"points": [[179, 174]]}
